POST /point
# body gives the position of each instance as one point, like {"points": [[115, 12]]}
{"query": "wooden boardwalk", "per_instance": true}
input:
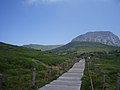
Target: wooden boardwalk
{"points": [[70, 80]]}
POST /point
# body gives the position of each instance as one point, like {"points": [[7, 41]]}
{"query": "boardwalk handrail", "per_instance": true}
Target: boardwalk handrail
{"points": [[91, 81]]}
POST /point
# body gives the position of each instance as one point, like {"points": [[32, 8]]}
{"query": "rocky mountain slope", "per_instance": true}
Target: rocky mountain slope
{"points": [[104, 37]]}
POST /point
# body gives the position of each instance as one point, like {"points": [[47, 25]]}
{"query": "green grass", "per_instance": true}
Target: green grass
{"points": [[16, 64], [42, 47], [83, 47], [107, 60], [108, 65]]}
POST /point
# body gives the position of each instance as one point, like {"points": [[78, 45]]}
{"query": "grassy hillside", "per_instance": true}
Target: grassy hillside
{"points": [[16, 64], [83, 47], [103, 69], [42, 47]]}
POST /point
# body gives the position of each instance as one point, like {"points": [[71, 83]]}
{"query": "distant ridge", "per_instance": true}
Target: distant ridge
{"points": [[77, 47], [104, 37], [42, 47], [99, 41]]}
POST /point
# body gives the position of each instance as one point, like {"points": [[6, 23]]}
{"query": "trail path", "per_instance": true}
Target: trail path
{"points": [[70, 80]]}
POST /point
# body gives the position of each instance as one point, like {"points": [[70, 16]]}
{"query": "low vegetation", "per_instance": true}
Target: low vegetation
{"points": [[42, 47], [17, 63], [103, 69], [77, 48]]}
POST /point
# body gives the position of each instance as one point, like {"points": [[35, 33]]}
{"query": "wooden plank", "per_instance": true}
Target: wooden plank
{"points": [[70, 80]]}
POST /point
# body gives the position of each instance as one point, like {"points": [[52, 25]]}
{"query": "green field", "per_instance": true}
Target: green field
{"points": [[77, 48], [42, 47], [16, 64], [105, 63], [103, 70]]}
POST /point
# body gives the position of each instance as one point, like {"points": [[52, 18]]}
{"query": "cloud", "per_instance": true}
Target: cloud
{"points": [[42, 1]]}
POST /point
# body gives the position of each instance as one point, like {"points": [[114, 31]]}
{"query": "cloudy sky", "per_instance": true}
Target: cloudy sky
{"points": [[55, 21]]}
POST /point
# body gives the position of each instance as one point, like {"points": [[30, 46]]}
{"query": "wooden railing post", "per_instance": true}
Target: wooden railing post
{"points": [[91, 81], [104, 79], [118, 82], [33, 77], [1, 80]]}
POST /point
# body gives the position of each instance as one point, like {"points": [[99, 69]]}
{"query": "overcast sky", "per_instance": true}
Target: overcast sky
{"points": [[55, 21]]}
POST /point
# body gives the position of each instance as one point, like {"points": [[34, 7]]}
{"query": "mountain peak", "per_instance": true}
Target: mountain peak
{"points": [[104, 37]]}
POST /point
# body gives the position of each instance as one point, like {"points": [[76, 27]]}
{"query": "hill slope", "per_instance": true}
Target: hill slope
{"points": [[42, 47], [83, 47], [16, 64], [103, 70], [104, 37]]}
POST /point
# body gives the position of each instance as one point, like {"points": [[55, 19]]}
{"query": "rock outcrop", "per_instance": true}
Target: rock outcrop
{"points": [[104, 37]]}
